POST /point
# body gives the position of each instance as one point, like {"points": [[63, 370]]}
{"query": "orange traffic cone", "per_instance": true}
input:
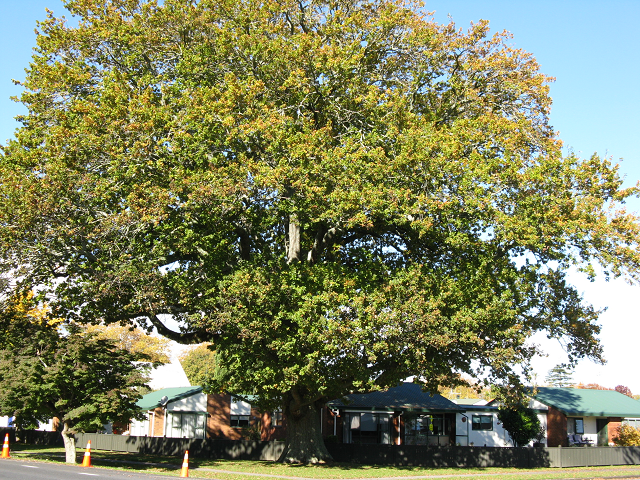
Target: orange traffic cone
{"points": [[5, 447], [185, 465], [86, 461]]}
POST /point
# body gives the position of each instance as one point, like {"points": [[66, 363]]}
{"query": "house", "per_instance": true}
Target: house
{"points": [[187, 412], [406, 415], [595, 415], [402, 415], [478, 425]]}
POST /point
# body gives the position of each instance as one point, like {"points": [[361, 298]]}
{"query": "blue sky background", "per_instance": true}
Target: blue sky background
{"points": [[593, 50]]}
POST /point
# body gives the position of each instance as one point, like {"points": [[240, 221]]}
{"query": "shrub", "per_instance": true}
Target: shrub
{"points": [[627, 436], [520, 422]]}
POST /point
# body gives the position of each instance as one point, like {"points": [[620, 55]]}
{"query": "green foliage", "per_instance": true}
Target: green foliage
{"points": [[252, 432], [522, 423], [49, 370], [134, 340], [200, 365], [541, 434], [627, 436], [559, 376], [337, 196], [83, 381], [466, 390]]}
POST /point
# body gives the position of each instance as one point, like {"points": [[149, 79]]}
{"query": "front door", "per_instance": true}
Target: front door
{"points": [[603, 432]]}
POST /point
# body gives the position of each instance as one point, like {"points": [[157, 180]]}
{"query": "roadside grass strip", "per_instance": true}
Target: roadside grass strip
{"points": [[254, 470]]}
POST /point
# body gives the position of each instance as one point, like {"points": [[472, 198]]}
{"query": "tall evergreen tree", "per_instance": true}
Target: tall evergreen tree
{"points": [[559, 376]]}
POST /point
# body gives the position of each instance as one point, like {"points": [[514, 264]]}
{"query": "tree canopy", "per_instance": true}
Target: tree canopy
{"points": [[136, 341], [624, 390], [50, 370], [336, 194], [200, 365]]}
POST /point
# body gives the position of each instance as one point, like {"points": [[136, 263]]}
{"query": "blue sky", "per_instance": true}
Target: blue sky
{"points": [[591, 47]]}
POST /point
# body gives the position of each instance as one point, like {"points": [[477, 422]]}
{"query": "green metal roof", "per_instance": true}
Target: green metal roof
{"points": [[152, 400], [588, 403]]}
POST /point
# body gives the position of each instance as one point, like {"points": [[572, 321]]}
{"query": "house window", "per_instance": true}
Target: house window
{"points": [[426, 429], [240, 413], [372, 428], [276, 419], [239, 421], [186, 425], [578, 426], [481, 422], [632, 422]]}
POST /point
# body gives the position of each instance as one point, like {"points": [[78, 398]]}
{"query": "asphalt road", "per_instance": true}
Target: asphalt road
{"points": [[25, 470]]}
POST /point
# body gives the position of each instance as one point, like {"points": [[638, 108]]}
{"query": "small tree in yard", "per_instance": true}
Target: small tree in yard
{"points": [[627, 436], [48, 371], [521, 423]]}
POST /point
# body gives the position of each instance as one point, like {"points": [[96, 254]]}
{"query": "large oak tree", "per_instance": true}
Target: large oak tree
{"points": [[337, 194]]}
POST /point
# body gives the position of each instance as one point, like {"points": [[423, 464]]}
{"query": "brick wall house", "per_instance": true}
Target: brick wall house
{"points": [[188, 412], [593, 415]]}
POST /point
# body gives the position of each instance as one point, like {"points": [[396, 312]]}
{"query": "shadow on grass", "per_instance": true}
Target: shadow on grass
{"points": [[20, 447], [158, 463]]}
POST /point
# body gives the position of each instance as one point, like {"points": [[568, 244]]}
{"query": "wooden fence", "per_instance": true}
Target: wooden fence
{"points": [[198, 448], [409, 455]]}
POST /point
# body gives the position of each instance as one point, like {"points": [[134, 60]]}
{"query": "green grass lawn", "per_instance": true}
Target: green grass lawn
{"points": [[247, 470]]}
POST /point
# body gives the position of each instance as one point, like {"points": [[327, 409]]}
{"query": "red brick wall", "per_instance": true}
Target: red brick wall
{"points": [[396, 439], [267, 430], [219, 418], [613, 427], [556, 428], [156, 425]]}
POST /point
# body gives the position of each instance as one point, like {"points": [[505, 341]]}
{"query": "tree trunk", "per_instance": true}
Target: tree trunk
{"points": [[295, 248], [304, 439], [69, 443]]}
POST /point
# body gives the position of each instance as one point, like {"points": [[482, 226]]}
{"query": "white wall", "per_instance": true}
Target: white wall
{"points": [[543, 421], [6, 422], [238, 407], [590, 428], [46, 427], [139, 428], [194, 403], [537, 405], [497, 437], [462, 424]]}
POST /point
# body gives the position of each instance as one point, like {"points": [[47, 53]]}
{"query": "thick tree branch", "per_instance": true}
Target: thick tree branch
{"points": [[295, 248]]}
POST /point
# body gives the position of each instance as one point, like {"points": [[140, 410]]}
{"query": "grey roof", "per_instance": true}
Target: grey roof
{"points": [[406, 396]]}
